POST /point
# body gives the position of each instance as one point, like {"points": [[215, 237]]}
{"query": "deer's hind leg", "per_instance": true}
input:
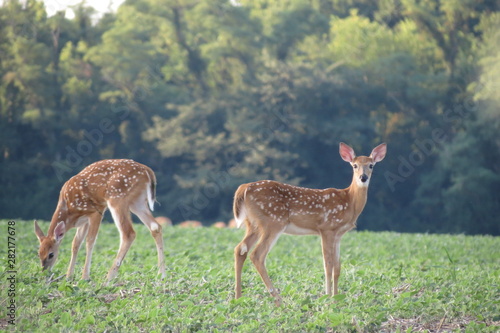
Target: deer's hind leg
{"points": [[81, 233], [141, 209], [240, 255], [121, 216], [269, 234]]}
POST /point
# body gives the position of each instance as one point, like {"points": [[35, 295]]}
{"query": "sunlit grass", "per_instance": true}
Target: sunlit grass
{"points": [[389, 281]]}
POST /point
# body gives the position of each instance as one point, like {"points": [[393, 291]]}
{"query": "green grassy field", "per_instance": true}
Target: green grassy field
{"points": [[390, 282]]}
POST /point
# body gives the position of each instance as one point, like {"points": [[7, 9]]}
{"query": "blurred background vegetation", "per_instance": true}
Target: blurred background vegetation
{"points": [[214, 93]]}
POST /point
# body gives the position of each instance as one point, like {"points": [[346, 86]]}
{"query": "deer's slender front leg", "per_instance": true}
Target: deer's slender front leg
{"points": [[258, 257], [80, 235], [327, 238], [94, 224], [336, 263]]}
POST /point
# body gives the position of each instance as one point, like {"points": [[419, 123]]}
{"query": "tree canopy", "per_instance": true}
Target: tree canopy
{"points": [[214, 93]]}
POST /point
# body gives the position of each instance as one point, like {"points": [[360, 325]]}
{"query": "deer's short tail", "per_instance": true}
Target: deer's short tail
{"points": [[151, 191], [239, 205]]}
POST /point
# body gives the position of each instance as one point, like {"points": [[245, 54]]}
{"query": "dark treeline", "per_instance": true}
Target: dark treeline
{"points": [[214, 93]]}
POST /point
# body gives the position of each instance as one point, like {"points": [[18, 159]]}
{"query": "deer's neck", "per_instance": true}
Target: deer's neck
{"points": [[357, 196], [60, 214]]}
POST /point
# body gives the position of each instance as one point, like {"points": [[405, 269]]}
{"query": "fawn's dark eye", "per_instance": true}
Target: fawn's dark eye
{"points": [[355, 166], [51, 255], [371, 166]]}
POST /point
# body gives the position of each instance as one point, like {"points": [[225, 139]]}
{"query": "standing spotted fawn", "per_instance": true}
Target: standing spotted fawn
{"points": [[123, 186], [269, 208]]}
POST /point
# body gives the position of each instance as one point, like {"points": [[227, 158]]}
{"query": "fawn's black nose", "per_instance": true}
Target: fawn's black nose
{"points": [[363, 178]]}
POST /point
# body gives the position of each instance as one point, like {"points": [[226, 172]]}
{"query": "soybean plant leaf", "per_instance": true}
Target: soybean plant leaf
{"points": [[187, 303], [409, 294]]}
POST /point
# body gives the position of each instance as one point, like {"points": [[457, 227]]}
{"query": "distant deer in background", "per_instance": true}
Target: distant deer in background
{"points": [[269, 208], [123, 186]]}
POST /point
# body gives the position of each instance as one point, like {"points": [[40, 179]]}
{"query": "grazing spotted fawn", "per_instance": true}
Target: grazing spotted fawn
{"points": [[123, 186]]}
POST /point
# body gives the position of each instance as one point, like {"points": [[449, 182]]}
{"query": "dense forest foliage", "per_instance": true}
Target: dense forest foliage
{"points": [[214, 93]]}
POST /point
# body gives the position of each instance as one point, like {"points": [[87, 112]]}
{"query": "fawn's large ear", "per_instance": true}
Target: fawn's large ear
{"points": [[378, 153], [346, 152], [39, 232], [59, 231]]}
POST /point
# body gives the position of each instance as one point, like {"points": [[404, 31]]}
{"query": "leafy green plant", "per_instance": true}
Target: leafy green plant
{"points": [[390, 281]]}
